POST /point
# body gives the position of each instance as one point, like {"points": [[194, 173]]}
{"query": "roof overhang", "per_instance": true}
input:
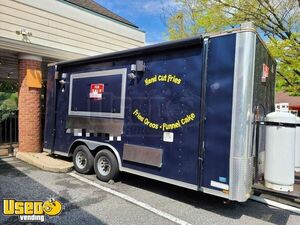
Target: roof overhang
{"points": [[48, 52]]}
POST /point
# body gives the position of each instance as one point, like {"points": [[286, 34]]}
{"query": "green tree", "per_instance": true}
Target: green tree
{"points": [[9, 86], [8, 98], [279, 21]]}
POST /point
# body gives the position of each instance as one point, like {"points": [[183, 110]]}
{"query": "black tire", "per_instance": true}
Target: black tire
{"points": [[106, 165], [88, 165]]}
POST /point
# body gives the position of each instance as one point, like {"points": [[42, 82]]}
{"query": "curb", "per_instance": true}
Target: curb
{"points": [[45, 162]]}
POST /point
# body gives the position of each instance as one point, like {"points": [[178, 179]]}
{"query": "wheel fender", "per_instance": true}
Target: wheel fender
{"points": [[92, 145]]}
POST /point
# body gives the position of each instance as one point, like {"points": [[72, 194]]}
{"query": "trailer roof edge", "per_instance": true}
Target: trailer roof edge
{"points": [[153, 48], [133, 51]]}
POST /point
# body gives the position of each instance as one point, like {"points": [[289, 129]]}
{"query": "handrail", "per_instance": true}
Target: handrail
{"points": [[9, 129]]}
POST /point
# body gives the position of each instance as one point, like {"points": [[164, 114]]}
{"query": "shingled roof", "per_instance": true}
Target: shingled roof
{"points": [[282, 97], [294, 101], [95, 7]]}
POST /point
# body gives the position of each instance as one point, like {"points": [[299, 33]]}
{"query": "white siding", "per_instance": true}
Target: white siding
{"points": [[58, 25]]}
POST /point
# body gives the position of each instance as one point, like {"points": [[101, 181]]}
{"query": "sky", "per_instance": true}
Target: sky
{"points": [[148, 15]]}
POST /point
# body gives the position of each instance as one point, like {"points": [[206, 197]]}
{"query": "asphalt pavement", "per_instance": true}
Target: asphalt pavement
{"points": [[129, 200]]}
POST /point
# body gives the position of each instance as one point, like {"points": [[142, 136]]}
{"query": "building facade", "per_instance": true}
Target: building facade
{"points": [[293, 101], [34, 33]]}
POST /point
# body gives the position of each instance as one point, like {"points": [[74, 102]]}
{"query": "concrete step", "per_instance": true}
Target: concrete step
{"points": [[46, 162], [3, 151]]}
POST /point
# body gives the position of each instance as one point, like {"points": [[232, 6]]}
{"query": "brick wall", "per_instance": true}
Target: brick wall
{"points": [[29, 110]]}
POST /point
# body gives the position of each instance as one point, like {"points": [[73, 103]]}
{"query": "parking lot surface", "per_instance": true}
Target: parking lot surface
{"points": [[129, 200]]}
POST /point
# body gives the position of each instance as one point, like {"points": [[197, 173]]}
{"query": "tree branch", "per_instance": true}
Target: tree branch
{"points": [[260, 17], [281, 26], [296, 72], [286, 80]]}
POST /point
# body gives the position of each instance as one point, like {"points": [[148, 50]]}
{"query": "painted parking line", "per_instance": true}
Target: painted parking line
{"points": [[9, 162], [130, 199], [7, 158]]}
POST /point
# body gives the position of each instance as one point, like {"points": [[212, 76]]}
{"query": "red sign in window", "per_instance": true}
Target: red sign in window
{"points": [[265, 74], [265, 70], [96, 91]]}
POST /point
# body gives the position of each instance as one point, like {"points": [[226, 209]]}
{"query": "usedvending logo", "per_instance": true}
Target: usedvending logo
{"points": [[31, 211]]}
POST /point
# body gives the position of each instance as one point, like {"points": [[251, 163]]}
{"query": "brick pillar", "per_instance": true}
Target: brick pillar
{"points": [[29, 107]]}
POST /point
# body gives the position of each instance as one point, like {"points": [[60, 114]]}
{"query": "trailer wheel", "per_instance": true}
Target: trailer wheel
{"points": [[106, 165], [83, 160]]}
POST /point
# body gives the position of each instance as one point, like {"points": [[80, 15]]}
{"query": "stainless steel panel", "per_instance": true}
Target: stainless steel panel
{"points": [[144, 155], [241, 159], [113, 127]]}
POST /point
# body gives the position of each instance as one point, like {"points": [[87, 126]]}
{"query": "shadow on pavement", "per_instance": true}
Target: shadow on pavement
{"points": [[25, 188], [15, 184], [234, 210]]}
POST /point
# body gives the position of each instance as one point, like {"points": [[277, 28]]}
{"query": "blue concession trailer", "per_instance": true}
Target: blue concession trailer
{"points": [[180, 112]]}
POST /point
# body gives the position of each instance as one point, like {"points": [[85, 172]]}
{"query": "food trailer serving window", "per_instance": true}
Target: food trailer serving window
{"points": [[98, 94]]}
